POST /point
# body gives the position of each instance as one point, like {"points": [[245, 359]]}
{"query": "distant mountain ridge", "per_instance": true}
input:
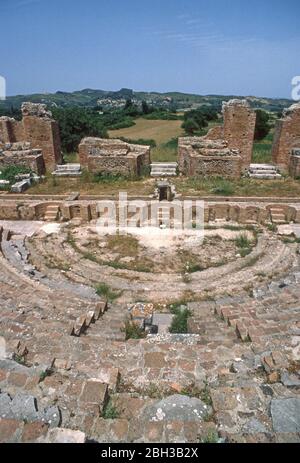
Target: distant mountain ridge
{"points": [[90, 98]]}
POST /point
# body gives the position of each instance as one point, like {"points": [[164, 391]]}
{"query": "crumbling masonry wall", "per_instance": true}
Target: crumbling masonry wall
{"points": [[205, 157], [287, 137], [239, 129], [113, 156], [22, 155], [226, 150], [36, 128]]}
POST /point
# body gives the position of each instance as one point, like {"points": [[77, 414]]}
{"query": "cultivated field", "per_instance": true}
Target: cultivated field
{"points": [[158, 130]]}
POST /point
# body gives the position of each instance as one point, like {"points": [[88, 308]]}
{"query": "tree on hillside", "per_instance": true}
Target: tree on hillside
{"points": [[77, 123], [130, 109], [190, 126], [11, 112], [197, 119], [145, 107], [263, 126]]}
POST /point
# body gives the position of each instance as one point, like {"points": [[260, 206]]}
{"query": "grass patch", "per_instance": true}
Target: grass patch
{"points": [[223, 187], [133, 331], [110, 412], [285, 187], [108, 177], [291, 240], [9, 173], [20, 359], [71, 158], [242, 241], [180, 319], [123, 244], [159, 130], [140, 141], [154, 392], [272, 227], [164, 133], [262, 150], [44, 374], [210, 438], [166, 152], [104, 290], [202, 394], [245, 252], [192, 268]]}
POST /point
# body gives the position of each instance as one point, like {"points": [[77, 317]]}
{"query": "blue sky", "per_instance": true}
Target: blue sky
{"points": [[196, 46]]}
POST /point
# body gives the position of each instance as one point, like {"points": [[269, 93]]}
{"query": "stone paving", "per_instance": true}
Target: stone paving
{"points": [[67, 373]]}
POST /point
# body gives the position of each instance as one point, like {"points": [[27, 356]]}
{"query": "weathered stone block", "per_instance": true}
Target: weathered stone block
{"points": [[10, 430], [286, 415], [94, 392]]}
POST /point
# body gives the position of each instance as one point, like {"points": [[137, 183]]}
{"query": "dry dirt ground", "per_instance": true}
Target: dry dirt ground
{"points": [[154, 250]]}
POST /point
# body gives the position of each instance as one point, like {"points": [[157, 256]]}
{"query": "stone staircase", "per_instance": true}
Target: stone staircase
{"points": [[277, 215], [67, 170], [84, 321], [51, 214], [209, 326], [162, 169], [264, 172], [110, 326]]}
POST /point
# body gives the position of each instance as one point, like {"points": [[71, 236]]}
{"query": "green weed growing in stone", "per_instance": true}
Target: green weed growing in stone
{"points": [[133, 331], [179, 323], [242, 241], [210, 438], [110, 412], [104, 290]]}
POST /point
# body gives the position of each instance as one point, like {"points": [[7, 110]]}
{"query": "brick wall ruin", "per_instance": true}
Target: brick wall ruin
{"points": [[36, 128], [199, 156], [113, 156], [226, 150], [239, 129], [287, 137]]}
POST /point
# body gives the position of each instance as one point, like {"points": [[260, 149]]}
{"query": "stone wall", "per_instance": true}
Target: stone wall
{"points": [[38, 128], [239, 128], [226, 150], [253, 212], [287, 137], [206, 157], [113, 156], [227, 167], [21, 154]]}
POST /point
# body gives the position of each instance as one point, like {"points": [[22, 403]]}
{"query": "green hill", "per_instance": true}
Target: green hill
{"points": [[176, 100]]}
